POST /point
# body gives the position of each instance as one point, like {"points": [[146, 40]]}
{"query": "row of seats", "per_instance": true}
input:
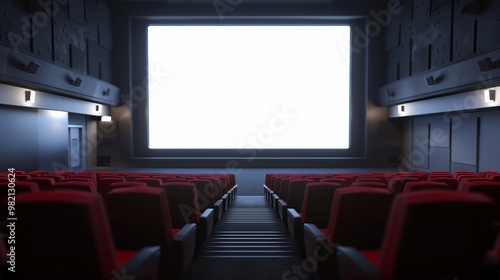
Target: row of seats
{"points": [[355, 211], [74, 225]]}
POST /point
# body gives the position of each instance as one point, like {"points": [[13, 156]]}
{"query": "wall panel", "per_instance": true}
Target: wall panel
{"points": [[53, 140], [489, 139], [420, 146], [19, 138], [464, 140], [439, 159]]}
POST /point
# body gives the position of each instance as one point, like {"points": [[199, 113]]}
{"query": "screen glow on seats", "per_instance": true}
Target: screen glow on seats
{"points": [[249, 87]]}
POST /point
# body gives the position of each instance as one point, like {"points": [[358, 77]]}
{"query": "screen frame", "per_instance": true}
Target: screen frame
{"points": [[138, 94]]}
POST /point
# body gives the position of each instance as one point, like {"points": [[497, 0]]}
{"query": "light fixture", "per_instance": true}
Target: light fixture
{"points": [[486, 64], [107, 92], [78, 82], [430, 81], [106, 119], [98, 108], [32, 68], [489, 95], [401, 109], [29, 96]]}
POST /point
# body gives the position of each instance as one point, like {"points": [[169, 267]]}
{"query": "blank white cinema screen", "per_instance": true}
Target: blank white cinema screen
{"points": [[238, 87]]}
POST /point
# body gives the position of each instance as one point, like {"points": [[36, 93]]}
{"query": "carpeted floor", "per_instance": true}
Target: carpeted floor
{"points": [[249, 243]]}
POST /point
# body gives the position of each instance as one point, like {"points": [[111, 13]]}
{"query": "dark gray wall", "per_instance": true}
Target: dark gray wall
{"points": [[74, 34], [437, 35], [460, 141], [19, 140], [33, 139], [429, 34]]}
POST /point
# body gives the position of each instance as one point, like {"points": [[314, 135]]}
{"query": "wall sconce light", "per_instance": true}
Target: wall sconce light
{"points": [[107, 92], [489, 95], [32, 68], [401, 109], [486, 65], [78, 82], [98, 108], [29, 96], [106, 119], [430, 81]]}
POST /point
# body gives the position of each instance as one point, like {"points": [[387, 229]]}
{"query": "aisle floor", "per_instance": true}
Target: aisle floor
{"points": [[250, 242]]}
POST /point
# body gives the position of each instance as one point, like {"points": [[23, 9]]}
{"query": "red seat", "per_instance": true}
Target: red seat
{"points": [[66, 235], [104, 183], [448, 180], [429, 235], [139, 217], [206, 197], [358, 218], [294, 198], [184, 209], [117, 185], [44, 184], [76, 186], [427, 186], [151, 182], [316, 206], [397, 185], [370, 184]]}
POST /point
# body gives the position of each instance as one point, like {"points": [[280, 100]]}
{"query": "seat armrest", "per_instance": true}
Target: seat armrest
{"points": [[274, 201], [354, 266], [294, 224], [218, 210], [235, 191], [183, 248], [270, 196], [316, 246], [282, 206], [206, 224], [143, 266], [225, 198]]}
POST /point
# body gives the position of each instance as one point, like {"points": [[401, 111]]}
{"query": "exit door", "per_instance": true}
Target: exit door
{"points": [[75, 157]]}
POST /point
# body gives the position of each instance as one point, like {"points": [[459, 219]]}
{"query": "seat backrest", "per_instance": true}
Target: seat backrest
{"points": [[296, 190], [67, 228], [205, 193], [427, 186], [368, 184], [397, 184], [436, 235], [44, 184], [488, 188], [358, 217], [448, 180], [76, 186], [182, 202], [283, 188], [139, 217], [118, 185], [151, 182], [104, 183], [317, 203]]}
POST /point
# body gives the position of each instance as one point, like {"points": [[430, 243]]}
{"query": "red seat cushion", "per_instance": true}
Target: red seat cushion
{"points": [[371, 255], [123, 256]]}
